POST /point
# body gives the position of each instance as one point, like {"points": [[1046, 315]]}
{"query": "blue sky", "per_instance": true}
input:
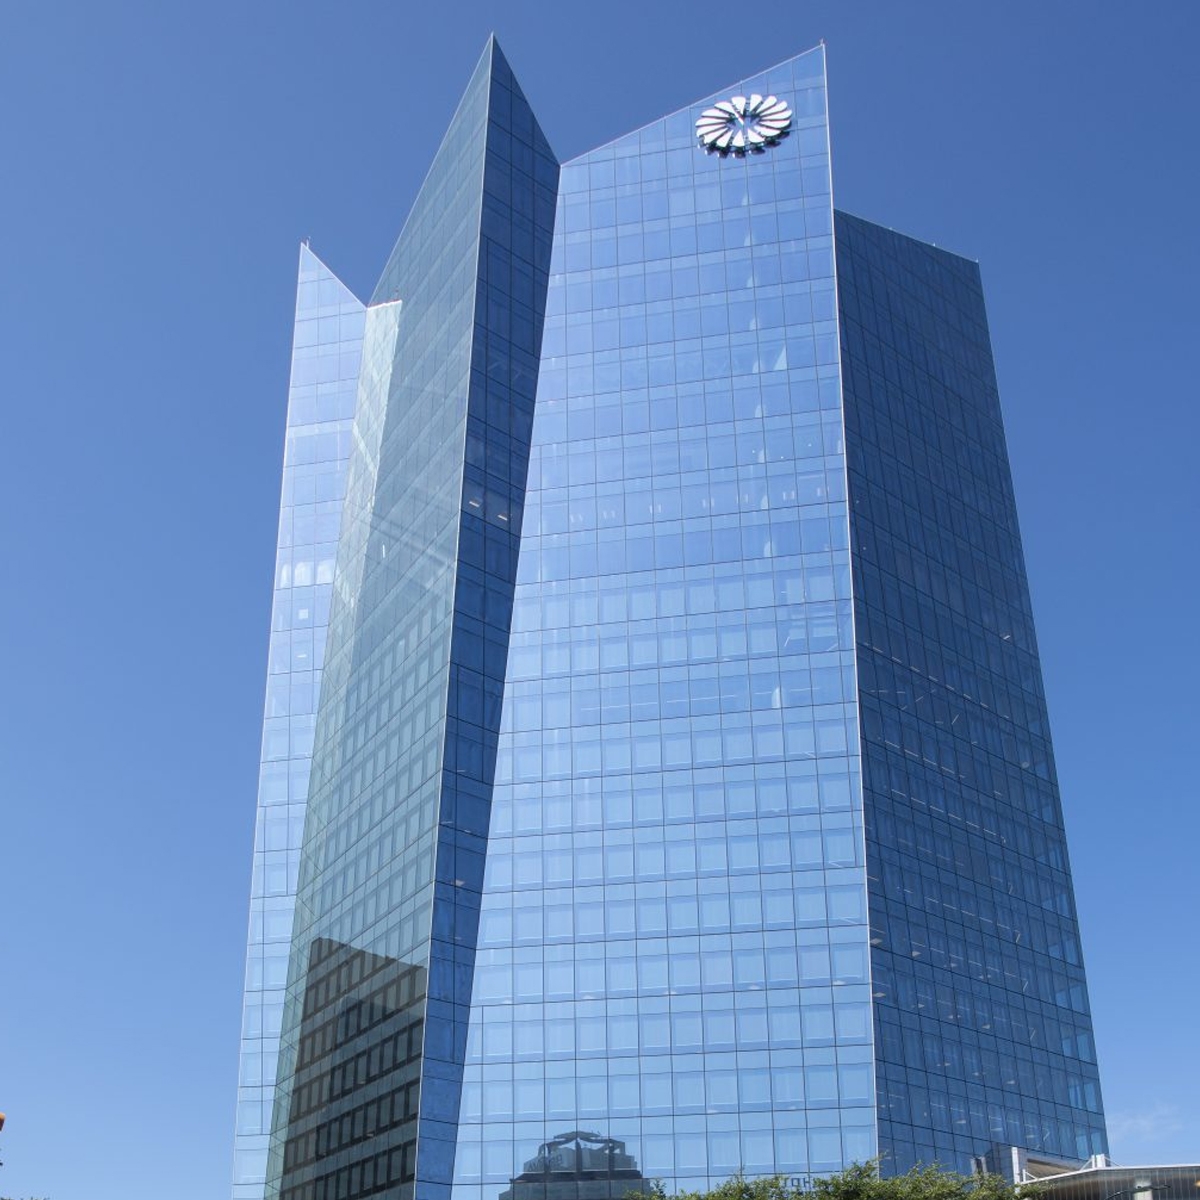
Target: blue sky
{"points": [[161, 163]]}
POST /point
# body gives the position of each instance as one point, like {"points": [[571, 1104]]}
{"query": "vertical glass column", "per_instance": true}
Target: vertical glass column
{"points": [[326, 350], [383, 940], [671, 978], [983, 1031]]}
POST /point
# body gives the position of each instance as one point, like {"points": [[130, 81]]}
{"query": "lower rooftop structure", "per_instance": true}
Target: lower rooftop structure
{"points": [[1102, 1179]]}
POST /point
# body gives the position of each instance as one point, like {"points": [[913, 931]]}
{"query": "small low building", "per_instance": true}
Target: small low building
{"points": [[1102, 1179], [1097, 1179]]}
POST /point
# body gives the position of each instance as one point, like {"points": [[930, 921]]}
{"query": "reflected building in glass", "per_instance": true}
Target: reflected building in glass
{"points": [[681, 798]]}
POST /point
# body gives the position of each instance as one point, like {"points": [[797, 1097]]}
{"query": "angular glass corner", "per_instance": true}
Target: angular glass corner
{"points": [[326, 353]]}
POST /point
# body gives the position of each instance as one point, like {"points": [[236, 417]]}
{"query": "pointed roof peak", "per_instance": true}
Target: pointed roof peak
{"points": [[501, 68], [497, 53], [312, 266], [492, 45], [492, 106], [491, 56]]}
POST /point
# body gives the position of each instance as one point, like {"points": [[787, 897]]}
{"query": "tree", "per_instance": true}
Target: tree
{"points": [[862, 1182]]}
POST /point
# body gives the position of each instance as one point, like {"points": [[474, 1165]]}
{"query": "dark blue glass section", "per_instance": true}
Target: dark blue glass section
{"points": [[982, 1029], [516, 232]]}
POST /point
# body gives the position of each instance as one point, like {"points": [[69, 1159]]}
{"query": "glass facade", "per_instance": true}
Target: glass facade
{"points": [[982, 1025], [381, 967], [325, 363], [673, 948], [592, 890]]}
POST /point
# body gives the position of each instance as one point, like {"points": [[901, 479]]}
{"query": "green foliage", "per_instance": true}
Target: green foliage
{"points": [[859, 1182]]}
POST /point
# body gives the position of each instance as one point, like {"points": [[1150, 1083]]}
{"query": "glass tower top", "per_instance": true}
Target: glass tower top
{"points": [[681, 796]]}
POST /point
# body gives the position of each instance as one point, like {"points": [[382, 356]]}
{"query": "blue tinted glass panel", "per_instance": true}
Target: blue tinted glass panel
{"points": [[982, 1024], [325, 362], [382, 951], [671, 978]]}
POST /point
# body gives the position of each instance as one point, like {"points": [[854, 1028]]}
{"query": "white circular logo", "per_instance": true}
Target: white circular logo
{"points": [[739, 124]]}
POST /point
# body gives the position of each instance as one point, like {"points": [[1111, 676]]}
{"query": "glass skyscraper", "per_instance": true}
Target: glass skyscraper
{"points": [[656, 777]]}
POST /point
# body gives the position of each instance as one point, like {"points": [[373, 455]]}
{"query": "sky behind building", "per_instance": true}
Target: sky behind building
{"points": [[163, 167]]}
